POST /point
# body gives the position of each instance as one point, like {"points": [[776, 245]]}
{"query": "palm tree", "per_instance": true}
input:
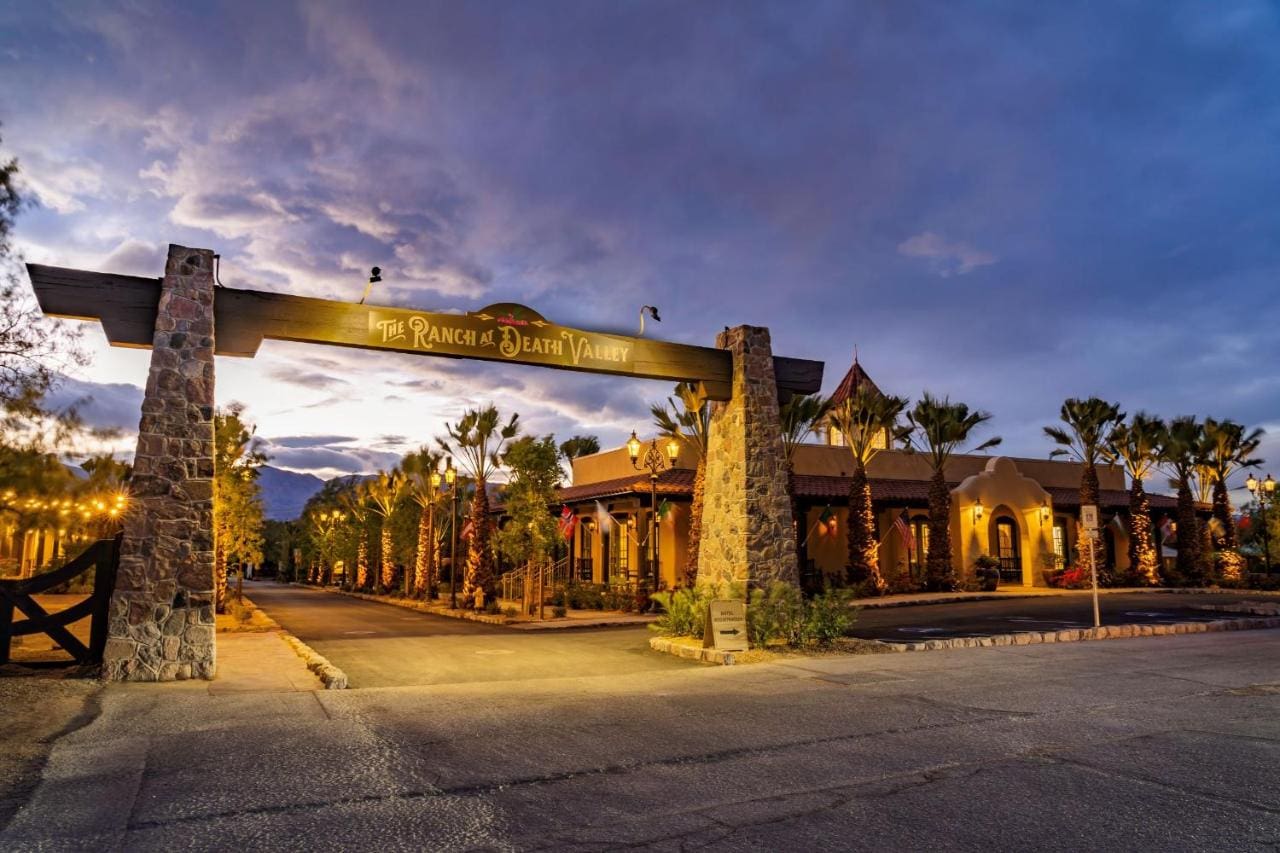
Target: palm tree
{"points": [[384, 493], [355, 500], [1086, 439], [689, 419], [799, 416], [579, 445], [477, 440], [1181, 452], [1137, 444], [1228, 449], [423, 482], [869, 421], [938, 429]]}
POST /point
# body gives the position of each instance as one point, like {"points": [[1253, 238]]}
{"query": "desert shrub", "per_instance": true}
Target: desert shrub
{"points": [[510, 612], [684, 612], [584, 596], [828, 616], [559, 611], [776, 614], [903, 584], [237, 609]]}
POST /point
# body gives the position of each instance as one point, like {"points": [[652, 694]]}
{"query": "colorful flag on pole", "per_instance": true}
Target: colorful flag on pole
{"points": [[1168, 531], [827, 522], [468, 528], [603, 519], [568, 520], [664, 509], [903, 527]]}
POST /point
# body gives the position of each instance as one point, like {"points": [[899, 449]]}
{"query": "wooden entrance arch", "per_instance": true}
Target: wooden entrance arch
{"points": [[161, 622]]}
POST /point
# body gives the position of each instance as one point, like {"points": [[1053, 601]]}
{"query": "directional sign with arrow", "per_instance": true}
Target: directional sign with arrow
{"points": [[726, 625]]}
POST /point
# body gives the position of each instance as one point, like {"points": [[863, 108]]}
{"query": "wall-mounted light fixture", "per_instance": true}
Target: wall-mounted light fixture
{"points": [[1044, 512], [977, 511]]}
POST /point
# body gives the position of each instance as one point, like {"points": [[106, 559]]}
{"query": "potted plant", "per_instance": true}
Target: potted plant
{"points": [[986, 570]]}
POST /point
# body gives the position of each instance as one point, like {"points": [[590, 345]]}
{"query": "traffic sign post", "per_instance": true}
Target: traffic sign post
{"points": [[1089, 522]]}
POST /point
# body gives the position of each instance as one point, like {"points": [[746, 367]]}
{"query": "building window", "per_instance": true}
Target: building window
{"points": [[619, 555], [1059, 544], [920, 531]]}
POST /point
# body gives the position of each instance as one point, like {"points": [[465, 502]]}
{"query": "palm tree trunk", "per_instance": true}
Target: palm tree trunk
{"points": [[220, 578], [1222, 512], [695, 524], [1143, 560], [362, 560], [1188, 535], [797, 528], [424, 582], [864, 562], [940, 576], [388, 565], [480, 572]]}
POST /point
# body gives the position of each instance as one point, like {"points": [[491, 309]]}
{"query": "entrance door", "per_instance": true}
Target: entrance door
{"points": [[1007, 551]]}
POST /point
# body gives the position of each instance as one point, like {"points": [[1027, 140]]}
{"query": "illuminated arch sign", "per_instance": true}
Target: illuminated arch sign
{"points": [[126, 306]]}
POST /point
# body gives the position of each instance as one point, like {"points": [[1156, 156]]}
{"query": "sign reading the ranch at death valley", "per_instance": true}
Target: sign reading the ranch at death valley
{"points": [[726, 625], [501, 332]]}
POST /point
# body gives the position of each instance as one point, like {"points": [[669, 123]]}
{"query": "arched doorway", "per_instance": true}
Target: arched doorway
{"points": [[1007, 548]]}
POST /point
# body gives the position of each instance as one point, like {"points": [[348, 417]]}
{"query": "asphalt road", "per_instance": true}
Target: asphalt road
{"points": [[1168, 744], [381, 645], [1048, 613]]}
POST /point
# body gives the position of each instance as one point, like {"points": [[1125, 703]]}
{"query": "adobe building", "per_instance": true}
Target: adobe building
{"points": [[1023, 512]]}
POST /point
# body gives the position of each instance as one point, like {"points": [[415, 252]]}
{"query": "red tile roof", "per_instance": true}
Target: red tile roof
{"points": [[853, 380], [834, 489]]}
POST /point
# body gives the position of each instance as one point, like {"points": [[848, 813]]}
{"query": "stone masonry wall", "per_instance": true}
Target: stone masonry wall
{"points": [[747, 532], [162, 622]]}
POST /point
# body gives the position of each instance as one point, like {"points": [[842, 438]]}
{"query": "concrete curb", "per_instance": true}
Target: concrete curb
{"points": [[422, 607], [680, 650], [1270, 618], [962, 597], [1075, 635], [330, 676]]}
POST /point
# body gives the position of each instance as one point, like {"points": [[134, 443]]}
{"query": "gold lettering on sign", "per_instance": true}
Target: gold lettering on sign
{"points": [[511, 340], [392, 330]]}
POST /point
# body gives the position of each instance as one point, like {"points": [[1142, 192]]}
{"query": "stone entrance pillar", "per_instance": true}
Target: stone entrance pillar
{"points": [[747, 533], [162, 624]]}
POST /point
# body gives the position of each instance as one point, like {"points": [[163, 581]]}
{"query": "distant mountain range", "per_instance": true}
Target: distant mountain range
{"points": [[285, 493]]}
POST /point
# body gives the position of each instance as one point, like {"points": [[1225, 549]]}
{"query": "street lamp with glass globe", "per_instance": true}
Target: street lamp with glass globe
{"points": [[1264, 492], [655, 464]]}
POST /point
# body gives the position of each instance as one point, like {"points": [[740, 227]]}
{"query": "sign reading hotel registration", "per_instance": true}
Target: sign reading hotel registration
{"points": [[726, 625]]}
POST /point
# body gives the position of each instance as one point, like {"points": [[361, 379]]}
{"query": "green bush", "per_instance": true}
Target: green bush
{"points": [[776, 614], [829, 616], [558, 611], [684, 612]]}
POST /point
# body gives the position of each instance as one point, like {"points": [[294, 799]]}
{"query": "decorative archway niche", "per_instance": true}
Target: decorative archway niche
{"points": [[1001, 490], [161, 624]]}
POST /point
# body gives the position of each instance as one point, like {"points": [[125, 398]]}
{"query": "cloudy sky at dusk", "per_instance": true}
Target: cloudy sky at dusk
{"points": [[1009, 203]]}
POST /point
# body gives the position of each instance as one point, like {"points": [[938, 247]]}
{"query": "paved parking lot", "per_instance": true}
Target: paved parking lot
{"points": [[1051, 613]]}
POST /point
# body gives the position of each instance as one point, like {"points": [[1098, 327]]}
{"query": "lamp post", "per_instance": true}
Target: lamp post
{"points": [[434, 482], [451, 477], [1264, 492], [655, 464]]}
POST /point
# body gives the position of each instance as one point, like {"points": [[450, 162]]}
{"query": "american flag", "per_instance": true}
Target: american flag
{"points": [[904, 530], [468, 529]]}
